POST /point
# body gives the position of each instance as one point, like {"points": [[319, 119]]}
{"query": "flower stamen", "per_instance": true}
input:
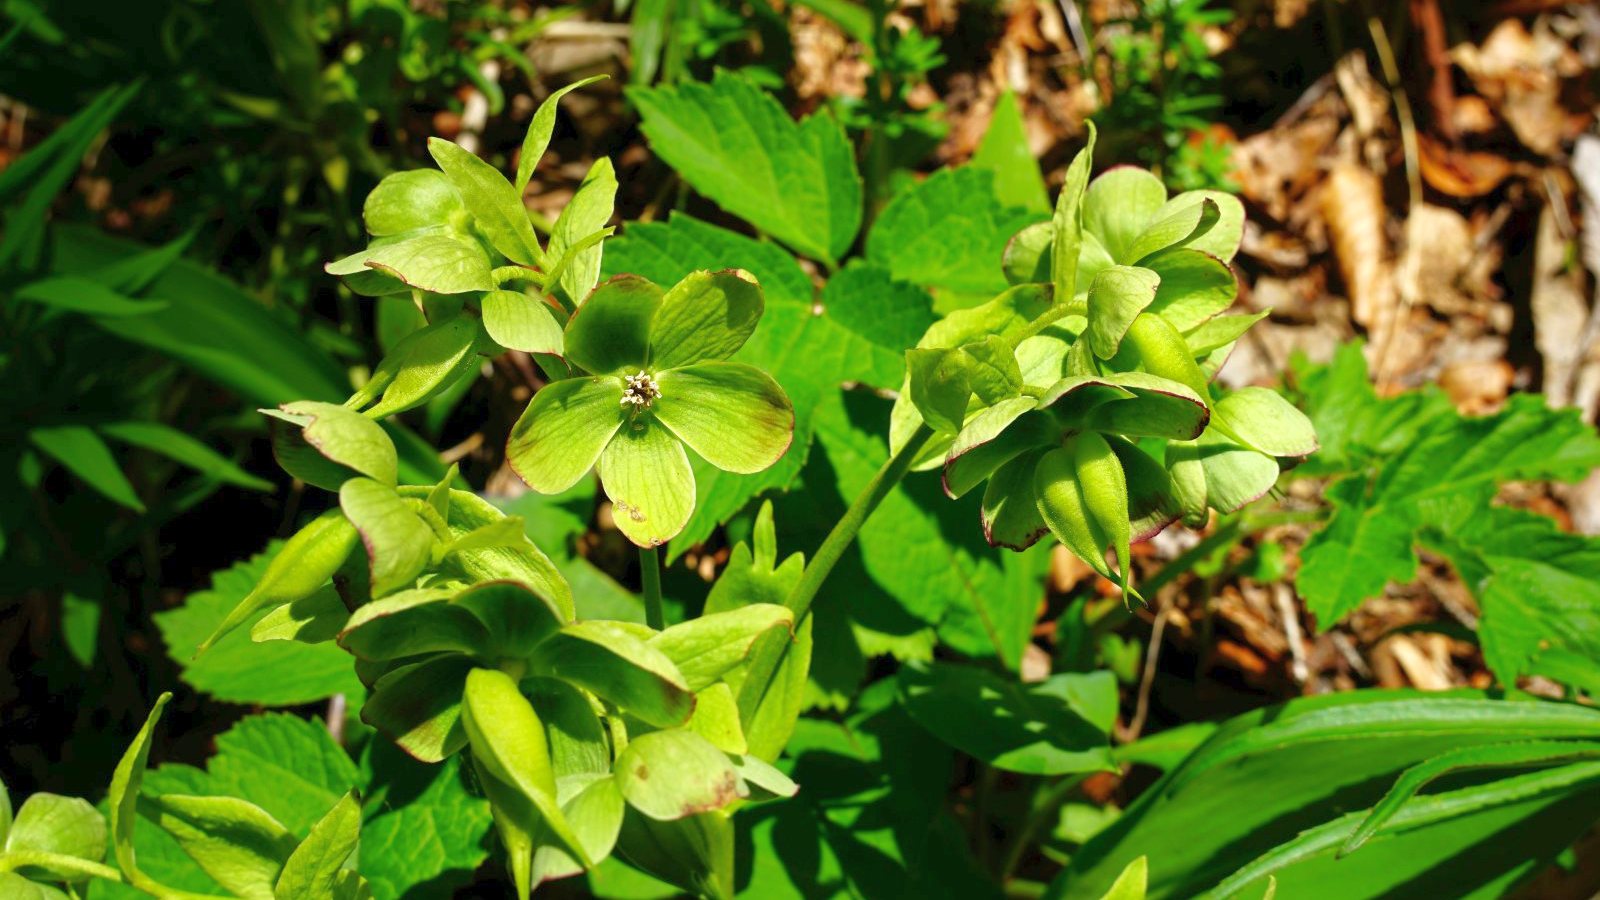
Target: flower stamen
{"points": [[642, 390]]}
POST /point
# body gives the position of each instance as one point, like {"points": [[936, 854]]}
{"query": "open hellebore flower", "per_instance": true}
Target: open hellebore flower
{"points": [[658, 379]]}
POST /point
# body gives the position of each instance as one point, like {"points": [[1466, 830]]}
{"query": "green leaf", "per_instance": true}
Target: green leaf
{"points": [[646, 475], [411, 623], [80, 630], [540, 128], [1005, 152], [407, 201], [437, 262], [232, 840], [85, 455], [595, 815], [495, 205], [586, 213], [398, 542], [123, 799], [1222, 240], [562, 433], [82, 295], [610, 332], [53, 824], [1070, 222], [879, 316], [237, 670], [1130, 885], [1452, 459], [521, 562], [1117, 297], [1194, 286], [947, 232], [1119, 205], [704, 649], [1261, 419], [607, 659], [1055, 727], [1177, 228], [666, 252], [424, 363], [705, 316], [306, 562], [1269, 774], [182, 448], [734, 415], [326, 444], [520, 322], [432, 841], [736, 145], [419, 706], [941, 386], [314, 868], [673, 774]]}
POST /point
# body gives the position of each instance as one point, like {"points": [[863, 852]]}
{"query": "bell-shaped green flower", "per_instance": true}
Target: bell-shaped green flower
{"points": [[658, 379]]}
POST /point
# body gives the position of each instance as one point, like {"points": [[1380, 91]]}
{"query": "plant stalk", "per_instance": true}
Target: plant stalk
{"points": [[768, 656], [650, 574]]}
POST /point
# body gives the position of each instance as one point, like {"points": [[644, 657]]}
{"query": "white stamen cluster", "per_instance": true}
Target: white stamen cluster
{"points": [[641, 390]]}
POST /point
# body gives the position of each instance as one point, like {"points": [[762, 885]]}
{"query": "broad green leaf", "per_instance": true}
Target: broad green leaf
{"points": [[411, 623], [495, 205], [540, 128], [1222, 240], [516, 620], [435, 840], [1041, 729], [1070, 222], [52, 824], [85, 455], [732, 414], [607, 659], [521, 322], [735, 144], [437, 262], [1261, 419], [704, 649], [1005, 151], [666, 252], [426, 362], [176, 445], [1117, 297], [948, 232], [705, 316], [306, 562], [325, 444], [610, 332], [1435, 844], [1267, 775], [1179, 227], [310, 620], [236, 842], [237, 670], [1119, 205], [674, 774], [586, 213], [595, 816], [82, 295], [398, 542], [561, 435], [1194, 286], [314, 868], [419, 706], [646, 475], [881, 316], [407, 201]]}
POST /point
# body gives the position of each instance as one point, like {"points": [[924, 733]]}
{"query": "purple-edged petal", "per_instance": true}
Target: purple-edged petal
{"points": [[562, 432], [647, 476], [732, 414], [610, 332], [706, 316]]}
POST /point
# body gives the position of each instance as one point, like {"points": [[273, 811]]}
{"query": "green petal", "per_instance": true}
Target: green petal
{"points": [[1261, 419], [1195, 285], [1152, 505], [1010, 510], [732, 414], [1176, 228], [517, 321], [647, 476], [1222, 240], [610, 332], [419, 706], [1235, 475], [993, 438], [495, 205], [560, 435], [1117, 297], [406, 201], [707, 315], [1119, 205]]}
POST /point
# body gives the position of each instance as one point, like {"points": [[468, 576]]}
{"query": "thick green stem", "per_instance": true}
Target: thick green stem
{"points": [[1044, 806], [650, 574], [769, 656]]}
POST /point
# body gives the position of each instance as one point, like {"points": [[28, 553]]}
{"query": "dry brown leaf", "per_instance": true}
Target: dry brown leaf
{"points": [[1351, 204], [1460, 173], [1559, 311], [1277, 167], [1520, 73], [1477, 387]]}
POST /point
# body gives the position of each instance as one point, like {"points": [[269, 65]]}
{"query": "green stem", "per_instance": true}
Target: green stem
{"points": [[1043, 806], [650, 574], [769, 656]]}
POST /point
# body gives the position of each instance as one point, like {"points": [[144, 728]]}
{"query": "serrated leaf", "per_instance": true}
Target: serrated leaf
{"points": [[948, 232], [238, 670], [736, 144]]}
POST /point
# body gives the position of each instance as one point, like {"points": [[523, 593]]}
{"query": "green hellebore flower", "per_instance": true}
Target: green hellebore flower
{"points": [[659, 379]]}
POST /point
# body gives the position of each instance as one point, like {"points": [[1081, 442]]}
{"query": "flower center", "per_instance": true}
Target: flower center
{"points": [[641, 391]]}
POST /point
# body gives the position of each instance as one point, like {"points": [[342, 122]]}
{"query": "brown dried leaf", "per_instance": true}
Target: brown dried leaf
{"points": [[1520, 73], [1460, 173], [1351, 204]]}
